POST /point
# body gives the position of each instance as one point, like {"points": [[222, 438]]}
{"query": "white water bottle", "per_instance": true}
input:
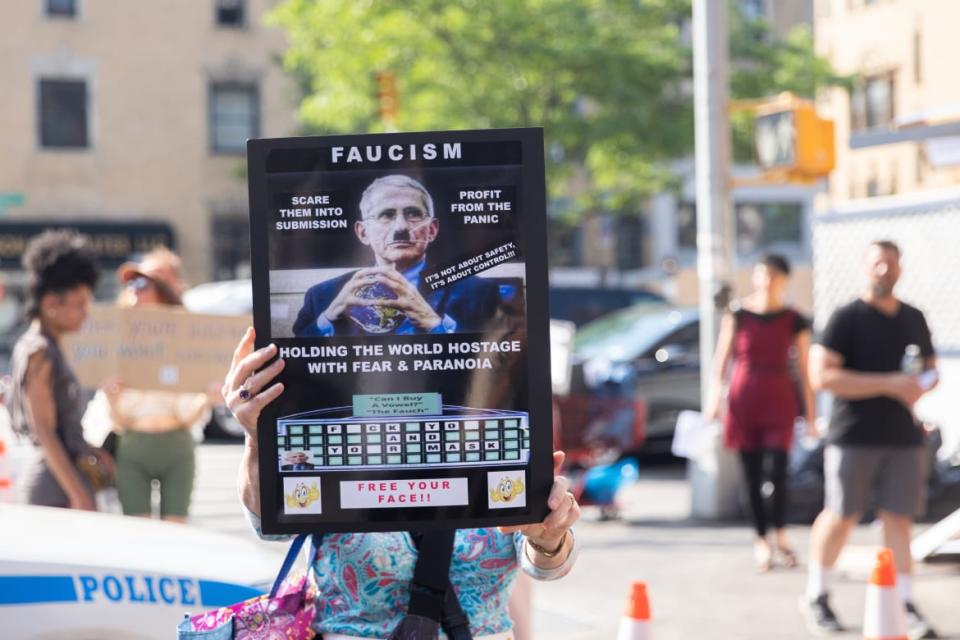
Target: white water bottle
{"points": [[912, 362]]}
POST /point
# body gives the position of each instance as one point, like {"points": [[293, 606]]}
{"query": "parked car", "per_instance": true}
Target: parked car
{"points": [[581, 305], [229, 297], [75, 574], [647, 353]]}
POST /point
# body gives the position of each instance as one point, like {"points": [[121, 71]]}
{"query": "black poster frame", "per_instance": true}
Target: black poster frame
{"points": [[311, 154]]}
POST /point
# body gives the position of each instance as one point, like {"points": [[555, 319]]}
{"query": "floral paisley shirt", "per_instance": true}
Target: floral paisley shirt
{"points": [[363, 579]]}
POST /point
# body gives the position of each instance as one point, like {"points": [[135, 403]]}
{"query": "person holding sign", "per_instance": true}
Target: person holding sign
{"points": [[45, 396], [397, 222], [154, 426], [364, 579]]}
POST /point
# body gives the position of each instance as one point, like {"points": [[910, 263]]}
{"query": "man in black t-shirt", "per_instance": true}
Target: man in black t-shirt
{"points": [[874, 454]]}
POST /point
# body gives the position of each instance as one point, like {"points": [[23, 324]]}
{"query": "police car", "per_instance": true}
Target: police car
{"points": [[96, 576]]}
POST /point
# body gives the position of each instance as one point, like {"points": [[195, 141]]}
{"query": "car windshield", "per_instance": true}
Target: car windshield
{"points": [[626, 334], [581, 305]]}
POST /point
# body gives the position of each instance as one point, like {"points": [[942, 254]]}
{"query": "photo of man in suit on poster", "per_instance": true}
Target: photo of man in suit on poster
{"points": [[398, 224], [296, 461]]}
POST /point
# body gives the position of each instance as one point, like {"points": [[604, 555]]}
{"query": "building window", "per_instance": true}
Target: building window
{"points": [[759, 225], [63, 114], [762, 225], [631, 233], [687, 225], [752, 9], [566, 244], [872, 103], [231, 13], [234, 116], [231, 247], [61, 8]]}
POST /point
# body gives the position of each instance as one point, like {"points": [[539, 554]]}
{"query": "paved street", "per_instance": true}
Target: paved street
{"points": [[700, 578]]}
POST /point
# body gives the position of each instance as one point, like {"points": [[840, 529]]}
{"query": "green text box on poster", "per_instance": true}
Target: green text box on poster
{"points": [[396, 404]]}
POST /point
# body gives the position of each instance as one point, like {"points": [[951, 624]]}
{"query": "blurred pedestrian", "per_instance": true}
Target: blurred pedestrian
{"points": [[875, 453], [762, 404], [154, 443], [46, 403]]}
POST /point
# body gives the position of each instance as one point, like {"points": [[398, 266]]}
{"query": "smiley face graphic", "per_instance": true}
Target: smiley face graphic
{"points": [[302, 495], [507, 489]]}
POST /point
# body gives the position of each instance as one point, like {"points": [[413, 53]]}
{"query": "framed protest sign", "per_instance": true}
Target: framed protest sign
{"points": [[403, 278]]}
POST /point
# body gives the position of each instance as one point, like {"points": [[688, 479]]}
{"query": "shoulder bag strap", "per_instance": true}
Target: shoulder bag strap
{"points": [[431, 575], [455, 622], [316, 540], [430, 545], [292, 554]]}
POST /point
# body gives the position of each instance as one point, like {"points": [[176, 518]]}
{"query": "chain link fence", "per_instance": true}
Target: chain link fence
{"points": [[927, 229]]}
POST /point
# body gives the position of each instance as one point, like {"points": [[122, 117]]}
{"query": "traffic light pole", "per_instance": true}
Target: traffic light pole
{"points": [[713, 474]]}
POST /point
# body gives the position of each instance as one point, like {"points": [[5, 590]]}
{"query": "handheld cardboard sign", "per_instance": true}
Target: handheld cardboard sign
{"points": [[157, 348]]}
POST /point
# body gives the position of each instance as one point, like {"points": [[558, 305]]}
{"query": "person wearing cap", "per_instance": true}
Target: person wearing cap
{"points": [[157, 279], [154, 440]]}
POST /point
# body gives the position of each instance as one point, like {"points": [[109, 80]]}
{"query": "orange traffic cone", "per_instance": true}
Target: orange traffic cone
{"points": [[6, 483], [635, 624], [884, 616]]}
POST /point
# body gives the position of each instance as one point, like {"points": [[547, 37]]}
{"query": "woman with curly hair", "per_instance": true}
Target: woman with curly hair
{"points": [[46, 404]]}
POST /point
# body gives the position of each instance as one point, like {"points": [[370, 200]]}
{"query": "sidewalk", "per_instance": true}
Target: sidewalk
{"points": [[701, 579]]}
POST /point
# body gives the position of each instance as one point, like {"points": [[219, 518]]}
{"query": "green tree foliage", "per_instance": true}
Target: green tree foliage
{"points": [[608, 79], [765, 65]]}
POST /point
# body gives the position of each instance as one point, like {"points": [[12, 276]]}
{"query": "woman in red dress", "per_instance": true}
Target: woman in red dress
{"points": [[762, 404]]}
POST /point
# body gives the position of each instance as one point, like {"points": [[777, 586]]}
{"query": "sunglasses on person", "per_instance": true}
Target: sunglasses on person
{"points": [[140, 284]]}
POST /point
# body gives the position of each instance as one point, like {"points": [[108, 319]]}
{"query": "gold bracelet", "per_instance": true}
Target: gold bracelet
{"points": [[546, 553]]}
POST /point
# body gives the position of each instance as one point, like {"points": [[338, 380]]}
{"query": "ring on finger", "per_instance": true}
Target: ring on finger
{"points": [[244, 392]]}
